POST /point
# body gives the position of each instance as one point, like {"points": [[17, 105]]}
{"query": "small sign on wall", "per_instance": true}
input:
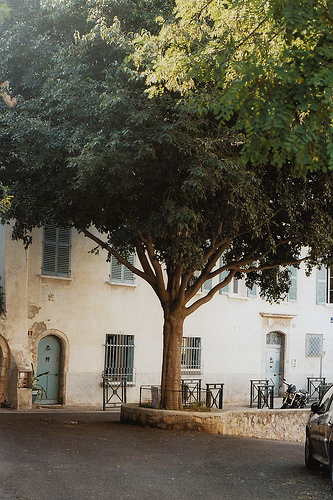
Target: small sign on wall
{"points": [[293, 363]]}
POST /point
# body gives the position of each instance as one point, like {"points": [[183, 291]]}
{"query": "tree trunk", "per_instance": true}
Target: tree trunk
{"points": [[171, 396]]}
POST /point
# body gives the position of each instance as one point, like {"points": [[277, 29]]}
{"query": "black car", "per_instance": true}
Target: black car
{"points": [[319, 434]]}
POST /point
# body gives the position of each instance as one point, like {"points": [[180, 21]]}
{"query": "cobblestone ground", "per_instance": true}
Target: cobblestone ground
{"points": [[91, 456]]}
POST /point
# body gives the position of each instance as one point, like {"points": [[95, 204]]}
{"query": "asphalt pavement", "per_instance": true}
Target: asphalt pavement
{"points": [[92, 456]]}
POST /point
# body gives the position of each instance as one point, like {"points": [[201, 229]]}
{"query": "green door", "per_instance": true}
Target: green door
{"points": [[48, 363]]}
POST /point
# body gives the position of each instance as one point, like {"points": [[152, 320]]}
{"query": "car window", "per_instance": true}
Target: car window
{"points": [[326, 401]]}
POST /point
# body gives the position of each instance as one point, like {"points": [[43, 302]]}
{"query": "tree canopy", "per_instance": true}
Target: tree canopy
{"points": [[264, 68], [107, 134]]}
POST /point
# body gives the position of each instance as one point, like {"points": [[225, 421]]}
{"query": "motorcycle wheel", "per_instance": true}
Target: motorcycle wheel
{"points": [[284, 406], [310, 462]]}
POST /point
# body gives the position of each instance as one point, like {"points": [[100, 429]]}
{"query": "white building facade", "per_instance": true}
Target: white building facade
{"points": [[73, 317]]}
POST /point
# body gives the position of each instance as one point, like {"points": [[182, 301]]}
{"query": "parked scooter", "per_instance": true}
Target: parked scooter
{"points": [[294, 398]]}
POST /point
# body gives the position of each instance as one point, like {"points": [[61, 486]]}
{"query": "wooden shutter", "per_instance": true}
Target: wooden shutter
{"points": [[116, 272], [64, 245], [321, 285], [292, 294], [56, 251], [252, 292], [223, 275], [49, 250], [128, 276], [120, 273], [207, 285]]}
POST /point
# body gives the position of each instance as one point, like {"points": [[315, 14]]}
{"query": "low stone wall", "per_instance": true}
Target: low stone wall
{"points": [[283, 425]]}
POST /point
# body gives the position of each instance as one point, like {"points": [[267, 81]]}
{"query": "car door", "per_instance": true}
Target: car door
{"points": [[317, 423], [325, 429]]}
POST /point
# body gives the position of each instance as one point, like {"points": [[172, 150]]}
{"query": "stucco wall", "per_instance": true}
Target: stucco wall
{"points": [[86, 307], [283, 425]]}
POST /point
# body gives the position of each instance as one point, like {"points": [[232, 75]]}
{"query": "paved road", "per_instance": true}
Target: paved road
{"points": [[60, 456]]}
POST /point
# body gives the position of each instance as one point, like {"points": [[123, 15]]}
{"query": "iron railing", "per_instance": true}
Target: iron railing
{"points": [[192, 394], [314, 384], [114, 393]]}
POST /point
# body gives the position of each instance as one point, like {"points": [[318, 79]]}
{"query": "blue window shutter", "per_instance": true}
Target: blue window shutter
{"points": [[292, 294], [321, 285], [223, 275], [252, 292], [128, 276], [64, 252], [56, 251], [120, 273], [207, 285], [49, 250], [116, 273]]}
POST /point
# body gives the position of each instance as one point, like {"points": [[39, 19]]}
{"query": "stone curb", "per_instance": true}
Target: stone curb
{"points": [[282, 425]]}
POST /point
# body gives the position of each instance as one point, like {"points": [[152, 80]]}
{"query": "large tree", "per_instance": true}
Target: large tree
{"points": [[86, 146]]}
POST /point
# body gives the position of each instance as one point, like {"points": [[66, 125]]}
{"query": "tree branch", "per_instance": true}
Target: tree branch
{"points": [[120, 259]]}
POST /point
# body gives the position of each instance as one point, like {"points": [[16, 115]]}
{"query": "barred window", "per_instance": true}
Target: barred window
{"points": [[273, 338], [119, 357], [314, 344], [191, 355]]}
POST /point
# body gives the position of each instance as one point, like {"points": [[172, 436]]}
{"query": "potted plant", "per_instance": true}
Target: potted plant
{"points": [[38, 391]]}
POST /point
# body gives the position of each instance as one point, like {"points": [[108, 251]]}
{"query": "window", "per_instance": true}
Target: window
{"points": [[252, 292], [56, 251], [292, 294], [314, 345], [120, 273], [324, 285], [119, 357], [208, 285], [274, 338], [191, 355]]}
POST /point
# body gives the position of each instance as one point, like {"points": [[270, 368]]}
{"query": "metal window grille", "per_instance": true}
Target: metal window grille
{"points": [[191, 355], [273, 338], [314, 344], [119, 357]]}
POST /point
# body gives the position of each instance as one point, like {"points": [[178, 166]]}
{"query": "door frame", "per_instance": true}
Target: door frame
{"points": [[4, 369], [282, 336], [63, 365]]}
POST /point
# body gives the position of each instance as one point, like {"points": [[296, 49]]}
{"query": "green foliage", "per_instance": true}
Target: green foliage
{"points": [[264, 69], [4, 10]]}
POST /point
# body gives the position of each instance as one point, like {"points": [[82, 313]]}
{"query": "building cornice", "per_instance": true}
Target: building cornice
{"points": [[277, 315]]}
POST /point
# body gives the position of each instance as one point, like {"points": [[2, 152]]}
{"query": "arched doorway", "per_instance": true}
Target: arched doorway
{"points": [[49, 369], [275, 359], [4, 369]]}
